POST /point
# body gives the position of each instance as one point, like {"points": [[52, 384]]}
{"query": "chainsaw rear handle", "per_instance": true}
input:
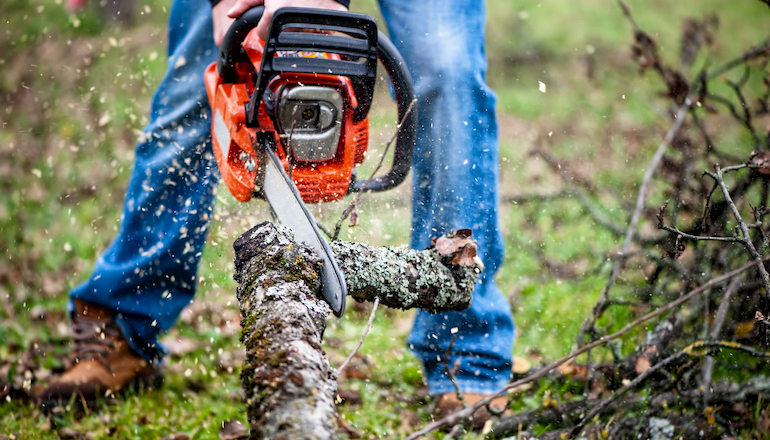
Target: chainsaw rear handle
{"points": [[407, 133], [367, 43]]}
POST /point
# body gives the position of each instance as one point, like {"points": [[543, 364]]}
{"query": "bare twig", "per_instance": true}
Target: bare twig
{"points": [[462, 414], [718, 177], [454, 431], [716, 329], [354, 203], [600, 304], [754, 52], [728, 345], [746, 119], [451, 373], [363, 336], [701, 237]]}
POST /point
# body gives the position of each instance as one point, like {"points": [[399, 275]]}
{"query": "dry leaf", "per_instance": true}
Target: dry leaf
{"points": [[744, 329], [761, 162], [233, 430], [642, 364], [460, 244], [521, 365]]}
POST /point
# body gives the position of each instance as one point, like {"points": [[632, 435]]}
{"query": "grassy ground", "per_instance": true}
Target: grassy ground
{"points": [[75, 93]]}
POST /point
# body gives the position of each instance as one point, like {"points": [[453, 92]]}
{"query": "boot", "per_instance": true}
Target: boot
{"points": [[449, 403], [104, 362]]}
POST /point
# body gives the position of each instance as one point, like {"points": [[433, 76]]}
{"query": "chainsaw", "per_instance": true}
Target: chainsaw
{"points": [[290, 117]]}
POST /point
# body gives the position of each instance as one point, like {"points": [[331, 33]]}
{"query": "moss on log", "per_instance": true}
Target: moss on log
{"points": [[405, 278]]}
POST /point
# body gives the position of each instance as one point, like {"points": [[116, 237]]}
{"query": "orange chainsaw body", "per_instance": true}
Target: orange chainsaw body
{"points": [[317, 181]]}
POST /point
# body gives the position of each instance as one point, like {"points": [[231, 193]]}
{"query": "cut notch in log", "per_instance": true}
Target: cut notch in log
{"points": [[288, 383]]}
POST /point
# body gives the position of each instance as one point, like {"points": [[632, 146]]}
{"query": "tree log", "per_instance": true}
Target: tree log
{"points": [[288, 383]]}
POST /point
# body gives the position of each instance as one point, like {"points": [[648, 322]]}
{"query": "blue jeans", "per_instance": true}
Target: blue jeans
{"points": [[148, 273]]}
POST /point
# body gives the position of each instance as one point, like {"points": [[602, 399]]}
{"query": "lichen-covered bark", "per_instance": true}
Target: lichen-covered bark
{"points": [[286, 379], [405, 278]]}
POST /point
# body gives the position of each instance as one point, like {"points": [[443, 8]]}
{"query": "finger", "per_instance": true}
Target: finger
{"points": [[242, 6], [264, 24]]}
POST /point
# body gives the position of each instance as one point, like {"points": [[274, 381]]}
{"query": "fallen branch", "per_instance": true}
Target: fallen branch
{"points": [[286, 379], [405, 278], [462, 414]]}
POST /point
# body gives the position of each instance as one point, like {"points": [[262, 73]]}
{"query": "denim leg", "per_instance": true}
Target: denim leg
{"points": [[455, 182], [147, 274]]}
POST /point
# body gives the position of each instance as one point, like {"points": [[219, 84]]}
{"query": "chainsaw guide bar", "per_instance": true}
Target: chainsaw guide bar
{"points": [[285, 201]]}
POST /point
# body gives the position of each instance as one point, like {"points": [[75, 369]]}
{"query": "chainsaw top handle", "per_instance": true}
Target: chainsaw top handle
{"points": [[367, 44]]}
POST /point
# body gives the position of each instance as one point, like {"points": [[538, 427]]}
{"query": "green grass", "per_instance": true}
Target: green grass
{"points": [[75, 92]]}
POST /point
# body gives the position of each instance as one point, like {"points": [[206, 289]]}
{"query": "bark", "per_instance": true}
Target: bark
{"points": [[286, 379], [288, 383]]}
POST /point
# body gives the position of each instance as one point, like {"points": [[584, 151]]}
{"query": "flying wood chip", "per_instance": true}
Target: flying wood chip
{"points": [[459, 244]]}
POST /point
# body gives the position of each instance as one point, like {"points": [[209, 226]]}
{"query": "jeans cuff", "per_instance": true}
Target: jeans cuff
{"points": [[444, 385], [473, 376]]}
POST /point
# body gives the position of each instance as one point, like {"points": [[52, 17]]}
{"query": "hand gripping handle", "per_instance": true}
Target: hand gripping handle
{"points": [[230, 51]]}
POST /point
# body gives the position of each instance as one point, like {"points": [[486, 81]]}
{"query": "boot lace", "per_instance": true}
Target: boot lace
{"points": [[94, 339]]}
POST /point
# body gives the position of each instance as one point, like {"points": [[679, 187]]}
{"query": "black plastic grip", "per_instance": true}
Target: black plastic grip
{"points": [[230, 51], [407, 134]]}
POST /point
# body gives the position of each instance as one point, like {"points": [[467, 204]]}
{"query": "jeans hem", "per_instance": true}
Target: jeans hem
{"points": [[445, 386]]}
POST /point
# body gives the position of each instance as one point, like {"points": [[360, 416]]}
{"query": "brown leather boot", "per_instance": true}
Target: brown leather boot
{"points": [[449, 403], [104, 362]]}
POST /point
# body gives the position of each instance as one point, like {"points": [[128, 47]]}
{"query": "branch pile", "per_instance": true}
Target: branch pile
{"points": [[708, 256]]}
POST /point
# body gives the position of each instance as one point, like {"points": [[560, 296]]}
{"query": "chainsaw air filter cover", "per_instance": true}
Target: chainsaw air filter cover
{"points": [[309, 121]]}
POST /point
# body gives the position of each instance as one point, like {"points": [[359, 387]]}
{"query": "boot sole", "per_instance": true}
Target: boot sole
{"points": [[143, 382]]}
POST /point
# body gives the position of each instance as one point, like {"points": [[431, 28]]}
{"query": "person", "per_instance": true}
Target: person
{"points": [[144, 279]]}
